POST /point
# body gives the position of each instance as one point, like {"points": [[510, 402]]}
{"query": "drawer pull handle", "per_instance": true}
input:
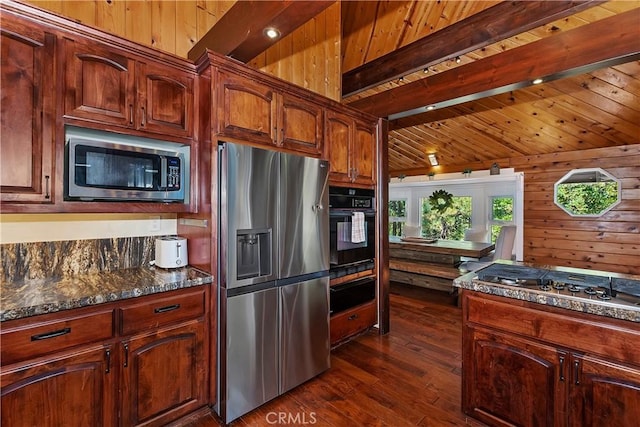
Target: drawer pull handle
{"points": [[353, 317], [48, 335], [167, 308]]}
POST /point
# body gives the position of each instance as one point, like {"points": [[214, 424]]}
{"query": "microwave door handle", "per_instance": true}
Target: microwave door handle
{"points": [[163, 172]]}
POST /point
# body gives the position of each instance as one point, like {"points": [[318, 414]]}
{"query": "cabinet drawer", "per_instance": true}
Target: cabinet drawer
{"points": [[352, 321], [45, 337], [155, 312]]}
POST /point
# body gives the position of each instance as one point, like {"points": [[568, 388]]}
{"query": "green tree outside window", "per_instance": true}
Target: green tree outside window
{"points": [[444, 216]]}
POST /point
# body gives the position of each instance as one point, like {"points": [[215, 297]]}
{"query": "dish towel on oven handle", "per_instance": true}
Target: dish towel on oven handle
{"points": [[357, 227]]}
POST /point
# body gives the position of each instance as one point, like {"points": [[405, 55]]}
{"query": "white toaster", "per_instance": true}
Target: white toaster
{"points": [[171, 252]]}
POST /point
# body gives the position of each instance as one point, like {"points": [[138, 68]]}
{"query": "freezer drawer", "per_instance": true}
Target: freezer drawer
{"points": [[252, 351], [304, 340]]}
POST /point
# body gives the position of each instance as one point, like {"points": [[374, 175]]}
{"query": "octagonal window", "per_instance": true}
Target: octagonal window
{"points": [[587, 192]]}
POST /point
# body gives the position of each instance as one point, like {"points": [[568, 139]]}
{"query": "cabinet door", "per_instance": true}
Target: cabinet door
{"points": [[76, 389], [300, 125], [364, 153], [245, 109], [100, 84], [165, 103], [164, 375], [509, 381], [603, 393], [27, 122], [337, 142]]}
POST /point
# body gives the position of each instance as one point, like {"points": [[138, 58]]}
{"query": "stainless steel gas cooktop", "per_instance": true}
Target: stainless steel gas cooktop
{"points": [[594, 287]]}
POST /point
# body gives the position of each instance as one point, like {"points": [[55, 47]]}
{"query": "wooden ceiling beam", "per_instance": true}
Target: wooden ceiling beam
{"points": [[607, 42], [498, 22], [239, 33]]}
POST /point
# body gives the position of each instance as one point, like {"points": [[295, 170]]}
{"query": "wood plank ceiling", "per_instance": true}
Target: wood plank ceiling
{"points": [[598, 108]]}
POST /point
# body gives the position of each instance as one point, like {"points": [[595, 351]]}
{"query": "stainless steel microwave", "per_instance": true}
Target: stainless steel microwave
{"points": [[105, 166]]}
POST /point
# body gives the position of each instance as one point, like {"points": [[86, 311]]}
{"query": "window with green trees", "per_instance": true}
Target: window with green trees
{"points": [[587, 192], [501, 214], [444, 216], [397, 217]]}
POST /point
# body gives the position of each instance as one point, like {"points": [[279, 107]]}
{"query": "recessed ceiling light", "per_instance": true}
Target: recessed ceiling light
{"points": [[431, 107], [432, 159], [272, 33], [537, 81]]}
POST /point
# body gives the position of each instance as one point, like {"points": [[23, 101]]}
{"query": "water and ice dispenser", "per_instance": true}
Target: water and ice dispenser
{"points": [[253, 253]]}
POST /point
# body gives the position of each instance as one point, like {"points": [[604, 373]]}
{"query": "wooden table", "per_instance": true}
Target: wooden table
{"points": [[431, 265]]}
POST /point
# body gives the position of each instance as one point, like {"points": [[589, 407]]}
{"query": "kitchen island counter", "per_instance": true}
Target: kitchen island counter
{"points": [[617, 310], [32, 297]]}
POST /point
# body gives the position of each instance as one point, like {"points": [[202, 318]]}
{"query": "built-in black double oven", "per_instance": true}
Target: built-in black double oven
{"points": [[352, 245]]}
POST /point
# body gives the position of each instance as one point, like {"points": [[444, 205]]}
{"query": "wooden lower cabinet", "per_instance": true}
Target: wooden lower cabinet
{"points": [[523, 370], [505, 372], [150, 378], [603, 393], [353, 321], [71, 389], [163, 375]]}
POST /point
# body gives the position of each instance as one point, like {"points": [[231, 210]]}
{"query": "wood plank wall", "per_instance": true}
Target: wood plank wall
{"points": [[309, 57], [552, 237]]}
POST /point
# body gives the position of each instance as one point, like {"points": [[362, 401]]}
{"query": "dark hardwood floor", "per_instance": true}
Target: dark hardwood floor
{"points": [[409, 377]]}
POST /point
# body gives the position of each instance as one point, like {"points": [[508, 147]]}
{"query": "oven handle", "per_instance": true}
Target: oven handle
{"points": [[347, 212]]}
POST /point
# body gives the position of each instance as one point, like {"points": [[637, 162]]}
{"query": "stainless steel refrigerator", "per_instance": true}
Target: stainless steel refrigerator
{"points": [[273, 326]]}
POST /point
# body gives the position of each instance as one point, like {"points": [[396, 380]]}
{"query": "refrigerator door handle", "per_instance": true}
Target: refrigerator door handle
{"points": [[318, 207]]}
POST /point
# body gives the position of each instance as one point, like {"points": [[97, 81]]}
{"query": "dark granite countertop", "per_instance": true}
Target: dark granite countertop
{"points": [[591, 306], [39, 296]]}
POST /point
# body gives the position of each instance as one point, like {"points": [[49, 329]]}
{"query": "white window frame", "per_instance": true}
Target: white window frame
{"points": [[401, 219], [480, 186]]}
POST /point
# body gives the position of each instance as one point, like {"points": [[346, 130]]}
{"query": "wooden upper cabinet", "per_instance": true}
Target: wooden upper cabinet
{"points": [[300, 125], [252, 111], [105, 85], [245, 109], [27, 135], [338, 145], [350, 146], [100, 84], [165, 99], [364, 153]]}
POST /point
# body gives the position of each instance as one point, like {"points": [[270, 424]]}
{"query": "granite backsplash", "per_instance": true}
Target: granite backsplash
{"points": [[60, 259]]}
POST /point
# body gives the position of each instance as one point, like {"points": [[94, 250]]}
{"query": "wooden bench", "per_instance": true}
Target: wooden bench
{"points": [[424, 274]]}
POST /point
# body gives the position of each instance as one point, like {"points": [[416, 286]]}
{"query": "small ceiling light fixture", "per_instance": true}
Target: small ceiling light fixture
{"points": [[272, 33], [537, 81], [458, 59], [432, 159], [430, 107], [426, 70]]}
